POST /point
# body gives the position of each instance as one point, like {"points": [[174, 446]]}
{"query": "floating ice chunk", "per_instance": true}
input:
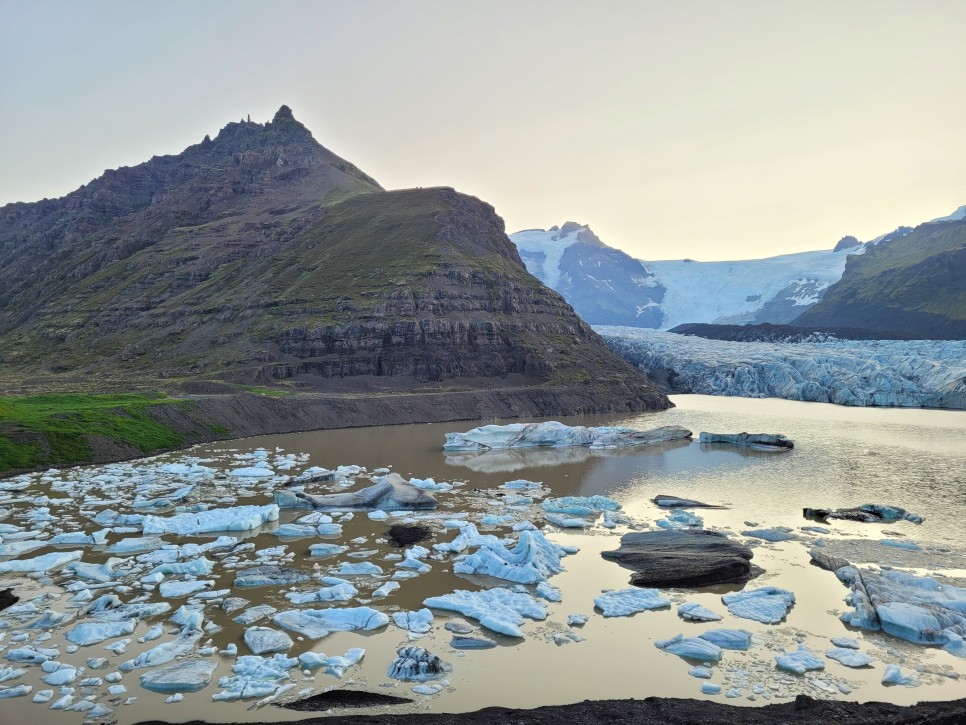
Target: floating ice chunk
{"points": [[262, 640], [80, 538], [567, 522], [845, 642], [318, 623], [556, 435], [389, 493], [799, 661], [501, 610], [339, 591], [363, 568], [239, 518], [253, 614], [335, 665], [329, 529], [196, 567], [461, 642], [18, 691], [693, 612], [415, 664], [134, 545], [378, 515], [548, 592], [295, 530], [10, 673], [176, 697], [40, 564], [756, 441], [849, 657], [59, 673], [728, 638], [164, 652], [702, 673], [42, 696], [428, 484], [326, 549], [171, 590], [110, 608], [385, 590], [768, 605], [894, 675], [187, 676], [624, 602], [579, 505], [521, 484], [577, 620], [417, 622], [532, 560], [897, 544], [426, 689], [693, 648], [269, 575], [88, 633], [259, 470], [709, 688]]}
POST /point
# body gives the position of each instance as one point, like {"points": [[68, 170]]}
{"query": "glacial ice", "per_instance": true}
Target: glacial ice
{"points": [[40, 564], [775, 534], [415, 664], [418, 622], [326, 549], [239, 518], [17, 691], [799, 661], [849, 657], [532, 560], [907, 373], [693, 648], [499, 609], [738, 639], [88, 633], [557, 435], [389, 493], [318, 623], [335, 665], [693, 612], [173, 590], [579, 505], [363, 568], [262, 640], [894, 675], [187, 676], [624, 602], [337, 590], [768, 605], [755, 441], [269, 575], [567, 522]]}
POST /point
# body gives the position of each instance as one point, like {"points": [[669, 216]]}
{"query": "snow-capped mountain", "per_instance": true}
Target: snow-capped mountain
{"points": [[609, 287]]}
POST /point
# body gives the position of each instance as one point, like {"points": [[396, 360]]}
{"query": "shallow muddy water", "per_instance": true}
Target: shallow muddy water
{"points": [[843, 457]]}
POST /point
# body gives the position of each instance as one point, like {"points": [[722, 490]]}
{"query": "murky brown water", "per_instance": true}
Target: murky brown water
{"points": [[843, 456]]}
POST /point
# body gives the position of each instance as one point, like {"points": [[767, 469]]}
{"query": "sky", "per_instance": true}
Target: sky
{"points": [[703, 129]]}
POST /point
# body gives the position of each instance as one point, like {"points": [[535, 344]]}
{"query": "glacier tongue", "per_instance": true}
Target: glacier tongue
{"points": [[902, 373]]}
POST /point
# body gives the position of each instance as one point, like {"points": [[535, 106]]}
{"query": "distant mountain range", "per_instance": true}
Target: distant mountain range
{"points": [[259, 256], [890, 291]]}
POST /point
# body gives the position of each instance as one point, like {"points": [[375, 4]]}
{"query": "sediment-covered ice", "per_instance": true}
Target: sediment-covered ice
{"points": [[318, 623], [906, 373], [415, 664], [624, 602], [557, 435], [768, 605], [499, 609]]}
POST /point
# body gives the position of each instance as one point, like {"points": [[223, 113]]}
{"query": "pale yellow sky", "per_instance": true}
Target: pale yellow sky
{"points": [[711, 130]]}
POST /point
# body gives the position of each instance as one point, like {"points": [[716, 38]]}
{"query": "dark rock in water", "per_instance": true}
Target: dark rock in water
{"points": [[405, 534], [415, 664], [472, 643], [343, 698], [7, 598], [673, 502], [869, 513], [827, 561], [756, 441], [683, 558]]}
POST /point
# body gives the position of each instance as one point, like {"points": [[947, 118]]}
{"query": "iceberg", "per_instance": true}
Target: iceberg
{"points": [[318, 623], [739, 639], [415, 664], [18, 691], [755, 441], [363, 568], [894, 675], [870, 513], [499, 609], [253, 614], [40, 564], [269, 575], [172, 590], [335, 665], [554, 434], [768, 605], [262, 640], [88, 633], [624, 602], [326, 549], [339, 590], [531, 561], [849, 657], [389, 493], [580, 505], [567, 522], [419, 622], [693, 648], [692, 612], [240, 518], [188, 676], [799, 661]]}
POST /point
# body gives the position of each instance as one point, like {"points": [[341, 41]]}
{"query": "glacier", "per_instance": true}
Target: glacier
{"points": [[898, 373]]}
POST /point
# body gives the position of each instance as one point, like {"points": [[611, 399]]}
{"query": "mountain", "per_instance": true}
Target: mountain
{"points": [[260, 256], [914, 284], [608, 287]]}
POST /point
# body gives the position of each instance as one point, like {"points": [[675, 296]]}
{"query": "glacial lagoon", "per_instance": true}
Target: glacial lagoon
{"points": [[843, 457]]}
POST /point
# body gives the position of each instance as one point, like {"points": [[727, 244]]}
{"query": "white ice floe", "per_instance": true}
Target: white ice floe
{"points": [[418, 622], [187, 676], [768, 605], [173, 590], [800, 661], [557, 435], [849, 657], [335, 665], [88, 633], [895, 675], [739, 639], [499, 609], [532, 560], [262, 640], [40, 564], [239, 518], [337, 590], [567, 522], [318, 623], [624, 602], [580, 505], [693, 648], [385, 590]]}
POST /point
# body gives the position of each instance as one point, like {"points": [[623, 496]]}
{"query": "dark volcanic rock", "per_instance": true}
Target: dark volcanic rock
{"points": [[683, 558], [343, 698], [7, 598], [827, 561], [405, 534]]}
